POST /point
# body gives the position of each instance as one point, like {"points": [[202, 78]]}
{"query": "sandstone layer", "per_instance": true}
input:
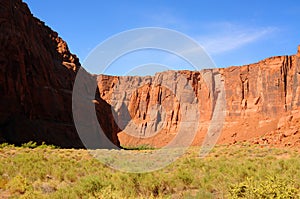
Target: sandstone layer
{"points": [[257, 96]]}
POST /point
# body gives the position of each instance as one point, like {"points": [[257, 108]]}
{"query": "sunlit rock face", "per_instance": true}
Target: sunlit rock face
{"points": [[257, 97]]}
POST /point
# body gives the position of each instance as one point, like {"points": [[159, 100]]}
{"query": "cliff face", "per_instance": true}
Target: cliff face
{"points": [[261, 100], [36, 81], [257, 97]]}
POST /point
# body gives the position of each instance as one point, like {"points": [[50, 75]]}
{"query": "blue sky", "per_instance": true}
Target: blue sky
{"points": [[232, 32]]}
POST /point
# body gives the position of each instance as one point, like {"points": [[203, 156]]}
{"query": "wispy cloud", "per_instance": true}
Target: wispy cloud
{"points": [[168, 19], [231, 37], [215, 37]]}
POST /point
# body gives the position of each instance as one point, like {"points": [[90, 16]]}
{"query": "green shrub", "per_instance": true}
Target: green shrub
{"points": [[6, 145], [140, 147], [227, 172], [18, 185], [271, 187], [47, 146], [33, 145], [29, 144], [91, 185], [186, 176]]}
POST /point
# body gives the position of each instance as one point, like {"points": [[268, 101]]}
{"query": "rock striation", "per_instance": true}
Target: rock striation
{"points": [[257, 97]]}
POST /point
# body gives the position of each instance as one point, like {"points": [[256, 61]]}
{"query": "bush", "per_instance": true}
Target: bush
{"points": [[72, 173], [5, 145], [140, 147], [33, 145], [47, 146], [17, 185], [186, 176], [29, 144], [272, 187]]}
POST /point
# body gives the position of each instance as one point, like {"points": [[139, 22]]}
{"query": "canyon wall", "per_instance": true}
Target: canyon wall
{"points": [[257, 102], [257, 97], [37, 73]]}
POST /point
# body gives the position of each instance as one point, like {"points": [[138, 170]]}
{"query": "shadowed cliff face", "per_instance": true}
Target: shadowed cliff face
{"points": [[36, 81], [258, 96]]}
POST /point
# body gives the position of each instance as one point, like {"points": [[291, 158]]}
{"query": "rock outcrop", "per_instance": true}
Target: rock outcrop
{"points": [[257, 97], [36, 81], [260, 95], [257, 102]]}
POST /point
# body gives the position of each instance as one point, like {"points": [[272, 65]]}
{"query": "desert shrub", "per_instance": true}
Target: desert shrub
{"points": [[140, 147], [29, 144], [150, 185], [227, 172], [47, 146], [91, 185], [271, 187], [186, 176], [31, 194], [18, 185], [6, 145], [33, 145]]}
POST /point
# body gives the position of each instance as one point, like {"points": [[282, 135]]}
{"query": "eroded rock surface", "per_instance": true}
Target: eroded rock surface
{"points": [[257, 96]]}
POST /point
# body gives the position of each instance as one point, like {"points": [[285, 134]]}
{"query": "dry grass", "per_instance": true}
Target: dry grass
{"points": [[227, 172]]}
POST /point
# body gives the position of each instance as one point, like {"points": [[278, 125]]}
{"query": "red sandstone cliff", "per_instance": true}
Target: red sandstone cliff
{"points": [[258, 96], [36, 81], [261, 100]]}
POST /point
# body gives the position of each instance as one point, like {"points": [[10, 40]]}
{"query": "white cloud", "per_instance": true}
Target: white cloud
{"points": [[231, 37], [166, 18], [215, 37]]}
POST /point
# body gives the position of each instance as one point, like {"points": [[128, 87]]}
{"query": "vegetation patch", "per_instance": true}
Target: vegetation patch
{"points": [[140, 147], [238, 171]]}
